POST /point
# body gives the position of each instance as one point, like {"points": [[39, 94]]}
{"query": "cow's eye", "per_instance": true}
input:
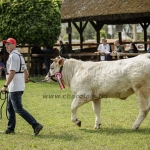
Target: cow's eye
{"points": [[52, 68]]}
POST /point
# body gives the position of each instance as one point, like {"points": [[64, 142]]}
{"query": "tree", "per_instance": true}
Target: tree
{"points": [[31, 21], [103, 34], [89, 32]]}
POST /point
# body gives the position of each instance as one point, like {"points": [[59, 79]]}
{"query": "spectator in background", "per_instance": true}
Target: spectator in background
{"points": [[37, 61], [133, 49], [104, 48], [2, 68], [62, 48], [68, 48], [118, 47], [107, 53], [148, 48], [47, 50], [113, 55]]}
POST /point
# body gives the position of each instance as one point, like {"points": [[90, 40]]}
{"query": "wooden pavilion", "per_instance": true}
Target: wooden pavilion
{"points": [[100, 12]]}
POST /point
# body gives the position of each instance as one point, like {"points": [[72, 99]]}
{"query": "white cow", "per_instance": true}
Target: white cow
{"points": [[91, 81]]}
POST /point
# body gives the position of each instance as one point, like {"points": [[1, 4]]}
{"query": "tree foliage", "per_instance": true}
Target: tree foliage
{"points": [[103, 34], [31, 21]]}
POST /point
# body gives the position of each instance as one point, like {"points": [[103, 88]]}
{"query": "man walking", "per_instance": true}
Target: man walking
{"points": [[16, 77]]}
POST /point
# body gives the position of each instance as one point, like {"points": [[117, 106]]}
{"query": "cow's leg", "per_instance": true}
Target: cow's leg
{"points": [[78, 101], [96, 108], [144, 106]]}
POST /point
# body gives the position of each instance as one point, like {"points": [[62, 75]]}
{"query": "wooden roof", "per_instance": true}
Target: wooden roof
{"points": [[107, 11]]}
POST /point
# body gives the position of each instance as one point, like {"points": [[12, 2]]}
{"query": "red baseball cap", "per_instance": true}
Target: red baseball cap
{"points": [[10, 40]]}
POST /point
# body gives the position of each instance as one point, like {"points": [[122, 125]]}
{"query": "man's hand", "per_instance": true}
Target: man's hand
{"points": [[97, 52], [27, 80], [3, 89]]}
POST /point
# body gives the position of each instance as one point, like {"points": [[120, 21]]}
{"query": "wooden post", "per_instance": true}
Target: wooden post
{"points": [[145, 37], [28, 59], [144, 26], [120, 37], [98, 32], [97, 26], [69, 35], [134, 33], [81, 36], [80, 30]]}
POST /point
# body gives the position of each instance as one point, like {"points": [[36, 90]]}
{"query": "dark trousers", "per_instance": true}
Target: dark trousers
{"points": [[37, 65], [15, 106], [107, 57], [47, 64]]}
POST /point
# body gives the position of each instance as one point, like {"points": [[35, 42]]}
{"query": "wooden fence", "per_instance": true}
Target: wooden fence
{"points": [[94, 56]]}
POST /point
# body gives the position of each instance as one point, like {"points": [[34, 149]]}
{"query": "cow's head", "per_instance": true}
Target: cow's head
{"points": [[56, 65]]}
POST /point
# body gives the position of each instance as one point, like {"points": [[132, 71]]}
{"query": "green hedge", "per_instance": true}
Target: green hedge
{"points": [[31, 21]]}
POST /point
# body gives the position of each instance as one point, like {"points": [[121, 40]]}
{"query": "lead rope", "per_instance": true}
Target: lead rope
{"points": [[5, 99]]}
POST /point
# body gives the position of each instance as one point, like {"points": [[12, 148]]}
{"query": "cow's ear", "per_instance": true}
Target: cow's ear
{"points": [[61, 62], [52, 59]]}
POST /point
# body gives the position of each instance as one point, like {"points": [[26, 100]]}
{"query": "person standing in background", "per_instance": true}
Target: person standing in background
{"points": [[62, 48], [2, 68], [68, 48], [47, 50]]}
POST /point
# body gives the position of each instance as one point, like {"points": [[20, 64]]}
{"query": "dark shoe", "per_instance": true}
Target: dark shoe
{"points": [[9, 131], [37, 129]]}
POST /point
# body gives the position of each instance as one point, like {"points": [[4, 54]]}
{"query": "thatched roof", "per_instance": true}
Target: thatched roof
{"points": [[107, 11]]}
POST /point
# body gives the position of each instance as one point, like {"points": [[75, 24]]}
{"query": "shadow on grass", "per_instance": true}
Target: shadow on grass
{"points": [[112, 131], [61, 136]]}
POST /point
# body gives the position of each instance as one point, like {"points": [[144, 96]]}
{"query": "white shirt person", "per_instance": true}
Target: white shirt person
{"points": [[103, 48]]}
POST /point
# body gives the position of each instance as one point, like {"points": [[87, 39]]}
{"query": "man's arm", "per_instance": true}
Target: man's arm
{"points": [[9, 79], [26, 76], [99, 49]]}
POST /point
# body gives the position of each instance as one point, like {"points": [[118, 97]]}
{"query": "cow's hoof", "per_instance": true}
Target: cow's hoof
{"points": [[97, 127], [134, 128], [78, 123]]}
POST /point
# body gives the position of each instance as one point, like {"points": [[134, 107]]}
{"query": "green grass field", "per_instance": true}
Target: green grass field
{"points": [[59, 133]]}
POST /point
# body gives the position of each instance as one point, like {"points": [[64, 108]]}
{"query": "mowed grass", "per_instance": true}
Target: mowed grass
{"points": [[59, 133]]}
